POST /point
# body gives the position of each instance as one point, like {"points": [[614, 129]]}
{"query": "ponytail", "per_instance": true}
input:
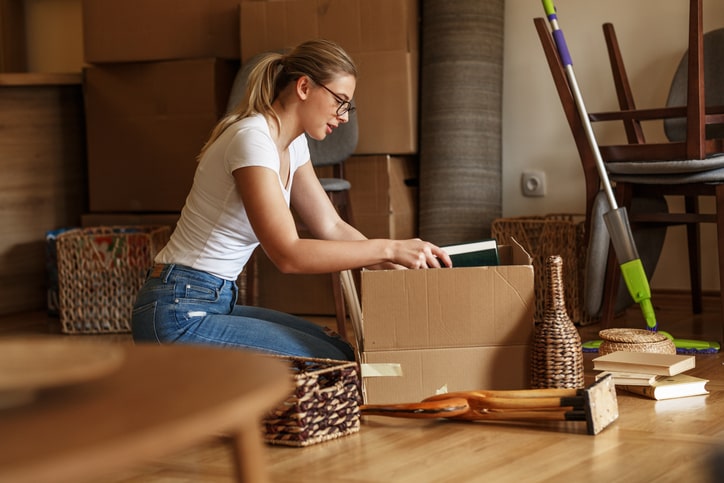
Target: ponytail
{"points": [[320, 60]]}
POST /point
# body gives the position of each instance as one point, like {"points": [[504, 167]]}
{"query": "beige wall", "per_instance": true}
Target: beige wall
{"points": [[652, 34]]}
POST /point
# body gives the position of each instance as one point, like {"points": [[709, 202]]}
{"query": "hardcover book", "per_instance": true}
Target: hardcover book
{"points": [[474, 254], [630, 378], [644, 363], [680, 385]]}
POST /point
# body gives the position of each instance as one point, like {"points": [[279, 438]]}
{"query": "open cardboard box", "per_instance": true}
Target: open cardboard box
{"points": [[421, 332]]}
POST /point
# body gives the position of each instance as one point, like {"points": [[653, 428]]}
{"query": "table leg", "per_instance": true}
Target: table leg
{"points": [[249, 455]]}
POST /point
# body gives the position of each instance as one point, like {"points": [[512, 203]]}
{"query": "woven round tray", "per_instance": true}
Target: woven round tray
{"points": [[634, 340]]}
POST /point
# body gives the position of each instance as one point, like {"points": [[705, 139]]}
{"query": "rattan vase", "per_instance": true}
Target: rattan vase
{"points": [[557, 356]]}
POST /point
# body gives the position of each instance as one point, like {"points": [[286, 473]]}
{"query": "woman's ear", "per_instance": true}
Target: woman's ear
{"points": [[302, 86]]}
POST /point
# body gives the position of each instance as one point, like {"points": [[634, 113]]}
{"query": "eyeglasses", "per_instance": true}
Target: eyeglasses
{"points": [[344, 106]]}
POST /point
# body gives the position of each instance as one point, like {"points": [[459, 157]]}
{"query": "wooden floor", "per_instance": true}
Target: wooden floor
{"points": [[676, 440]]}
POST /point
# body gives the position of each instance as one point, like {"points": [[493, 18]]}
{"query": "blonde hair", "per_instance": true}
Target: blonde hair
{"points": [[320, 60]]}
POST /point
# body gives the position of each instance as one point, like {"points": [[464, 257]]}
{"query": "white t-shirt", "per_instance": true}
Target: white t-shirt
{"points": [[214, 233]]}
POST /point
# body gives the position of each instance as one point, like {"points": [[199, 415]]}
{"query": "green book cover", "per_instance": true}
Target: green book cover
{"points": [[474, 254]]}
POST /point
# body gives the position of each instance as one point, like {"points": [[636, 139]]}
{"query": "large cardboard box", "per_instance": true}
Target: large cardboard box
{"points": [[384, 205], [143, 30], [450, 329], [357, 25], [384, 195], [145, 125], [382, 36], [387, 102]]}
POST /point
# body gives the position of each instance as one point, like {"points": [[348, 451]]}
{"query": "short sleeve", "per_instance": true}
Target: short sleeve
{"points": [[250, 146]]}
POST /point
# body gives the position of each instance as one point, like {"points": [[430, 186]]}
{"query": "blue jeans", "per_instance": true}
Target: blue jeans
{"points": [[190, 306]]}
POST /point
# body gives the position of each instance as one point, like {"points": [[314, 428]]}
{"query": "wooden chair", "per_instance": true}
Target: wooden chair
{"points": [[689, 167]]}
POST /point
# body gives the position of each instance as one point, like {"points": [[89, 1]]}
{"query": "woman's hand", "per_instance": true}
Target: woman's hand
{"points": [[416, 253]]}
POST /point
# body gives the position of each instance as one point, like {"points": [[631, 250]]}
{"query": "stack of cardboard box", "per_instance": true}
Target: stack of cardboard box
{"points": [[157, 79]]}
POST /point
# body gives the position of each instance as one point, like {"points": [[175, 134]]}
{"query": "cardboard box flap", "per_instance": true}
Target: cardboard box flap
{"points": [[514, 254]]}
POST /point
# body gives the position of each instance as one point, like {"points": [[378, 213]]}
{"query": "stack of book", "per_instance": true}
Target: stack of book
{"points": [[657, 376]]}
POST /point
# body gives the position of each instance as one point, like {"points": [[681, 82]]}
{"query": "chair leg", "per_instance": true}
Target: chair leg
{"points": [[720, 245], [693, 242]]}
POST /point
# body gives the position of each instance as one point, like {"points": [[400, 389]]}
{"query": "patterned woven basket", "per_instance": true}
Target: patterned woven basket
{"points": [[634, 340], [100, 270], [543, 236], [324, 404]]}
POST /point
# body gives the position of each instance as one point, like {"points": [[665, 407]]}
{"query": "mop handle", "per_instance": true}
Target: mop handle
{"points": [[567, 61]]}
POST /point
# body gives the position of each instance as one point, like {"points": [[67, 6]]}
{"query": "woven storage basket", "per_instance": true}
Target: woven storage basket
{"points": [[100, 270], [634, 340], [324, 404], [543, 236]]}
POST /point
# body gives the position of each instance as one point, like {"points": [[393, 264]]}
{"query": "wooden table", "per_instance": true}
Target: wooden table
{"points": [[160, 400]]}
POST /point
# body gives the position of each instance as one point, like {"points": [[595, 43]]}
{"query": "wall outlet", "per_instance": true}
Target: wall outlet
{"points": [[533, 183]]}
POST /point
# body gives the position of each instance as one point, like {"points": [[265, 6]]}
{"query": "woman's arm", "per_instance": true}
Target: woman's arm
{"points": [[319, 215], [342, 248], [316, 211]]}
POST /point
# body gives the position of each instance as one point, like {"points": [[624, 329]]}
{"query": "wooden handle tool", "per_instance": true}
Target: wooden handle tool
{"points": [[596, 404], [442, 408]]}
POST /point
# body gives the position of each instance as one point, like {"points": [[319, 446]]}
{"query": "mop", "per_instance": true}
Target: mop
{"points": [[616, 219]]}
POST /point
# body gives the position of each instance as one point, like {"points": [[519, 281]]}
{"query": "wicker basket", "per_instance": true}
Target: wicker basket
{"points": [[543, 236], [100, 270], [634, 340], [324, 404]]}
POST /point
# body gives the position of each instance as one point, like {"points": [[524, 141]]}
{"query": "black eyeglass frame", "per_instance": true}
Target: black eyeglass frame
{"points": [[344, 105]]}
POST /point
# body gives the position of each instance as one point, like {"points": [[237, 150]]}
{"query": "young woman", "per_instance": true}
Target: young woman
{"points": [[253, 167]]}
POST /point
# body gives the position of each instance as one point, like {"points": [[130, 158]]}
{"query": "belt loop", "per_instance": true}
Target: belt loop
{"points": [[167, 272], [160, 270]]}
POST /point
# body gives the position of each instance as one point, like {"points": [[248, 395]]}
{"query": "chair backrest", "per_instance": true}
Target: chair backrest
{"points": [[675, 129], [333, 150]]}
